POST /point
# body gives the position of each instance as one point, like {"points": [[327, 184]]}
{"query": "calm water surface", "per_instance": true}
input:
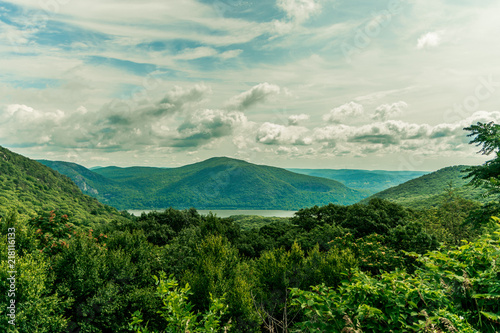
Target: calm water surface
{"points": [[229, 212]]}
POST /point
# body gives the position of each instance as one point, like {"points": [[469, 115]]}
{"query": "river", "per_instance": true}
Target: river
{"points": [[230, 212]]}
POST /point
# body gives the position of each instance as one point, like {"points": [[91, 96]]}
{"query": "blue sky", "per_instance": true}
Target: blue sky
{"points": [[291, 83]]}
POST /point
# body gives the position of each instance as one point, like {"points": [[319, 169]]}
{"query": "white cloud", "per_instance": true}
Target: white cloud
{"points": [[387, 111], [205, 125], [429, 40], [386, 133], [120, 124], [346, 111], [255, 95], [299, 10], [204, 51], [230, 54], [396, 136], [296, 118], [199, 52], [270, 134], [283, 150]]}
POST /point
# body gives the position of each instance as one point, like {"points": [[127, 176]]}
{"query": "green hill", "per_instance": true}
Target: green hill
{"points": [[427, 191], [29, 187], [370, 181], [217, 183]]}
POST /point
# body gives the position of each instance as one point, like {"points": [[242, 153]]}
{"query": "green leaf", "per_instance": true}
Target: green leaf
{"points": [[491, 316]]}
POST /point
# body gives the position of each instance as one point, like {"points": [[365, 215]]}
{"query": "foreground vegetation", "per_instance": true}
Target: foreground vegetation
{"points": [[365, 267], [374, 267]]}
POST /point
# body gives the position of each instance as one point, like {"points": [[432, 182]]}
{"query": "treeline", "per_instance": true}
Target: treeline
{"points": [[359, 260]]}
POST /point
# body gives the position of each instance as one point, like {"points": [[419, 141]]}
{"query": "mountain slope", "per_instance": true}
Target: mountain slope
{"points": [[103, 189], [217, 183], [427, 190], [370, 181], [28, 186]]}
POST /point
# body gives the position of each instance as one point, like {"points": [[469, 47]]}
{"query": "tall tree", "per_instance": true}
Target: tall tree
{"points": [[486, 135]]}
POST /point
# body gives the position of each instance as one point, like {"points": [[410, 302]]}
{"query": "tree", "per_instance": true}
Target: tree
{"points": [[486, 135]]}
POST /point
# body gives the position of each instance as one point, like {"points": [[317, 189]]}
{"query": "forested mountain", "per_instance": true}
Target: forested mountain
{"points": [[369, 181], [27, 186], [219, 182], [427, 190], [103, 189]]}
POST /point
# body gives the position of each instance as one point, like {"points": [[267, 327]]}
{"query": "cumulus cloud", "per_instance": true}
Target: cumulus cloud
{"points": [[23, 125], [299, 10], [175, 121], [387, 111], [204, 125], [390, 132], [429, 40], [343, 112], [332, 133], [394, 136], [255, 95], [283, 150], [269, 134], [296, 118]]}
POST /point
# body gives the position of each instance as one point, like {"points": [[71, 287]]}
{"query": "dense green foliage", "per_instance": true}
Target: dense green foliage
{"points": [[428, 190], [452, 291], [98, 276], [217, 183], [367, 181], [247, 222]]}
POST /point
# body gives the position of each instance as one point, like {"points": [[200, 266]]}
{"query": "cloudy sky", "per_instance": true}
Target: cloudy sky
{"points": [[293, 83]]}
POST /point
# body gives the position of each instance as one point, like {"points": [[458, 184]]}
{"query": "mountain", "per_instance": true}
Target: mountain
{"points": [[427, 190], [370, 181], [85, 179], [91, 183], [216, 183], [28, 187]]}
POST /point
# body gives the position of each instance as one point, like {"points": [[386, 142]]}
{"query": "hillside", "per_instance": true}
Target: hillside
{"points": [[103, 189], [28, 187], [426, 191], [217, 183], [370, 181]]}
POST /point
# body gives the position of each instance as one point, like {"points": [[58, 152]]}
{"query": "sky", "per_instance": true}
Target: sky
{"points": [[356, 84]]}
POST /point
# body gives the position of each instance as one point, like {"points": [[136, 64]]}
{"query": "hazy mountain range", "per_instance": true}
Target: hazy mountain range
{"points": [[216, 183], [226, 183]]}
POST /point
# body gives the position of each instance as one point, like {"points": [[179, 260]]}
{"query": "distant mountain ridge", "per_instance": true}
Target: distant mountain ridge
{"points": [[369, 181], [216, 183]]}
